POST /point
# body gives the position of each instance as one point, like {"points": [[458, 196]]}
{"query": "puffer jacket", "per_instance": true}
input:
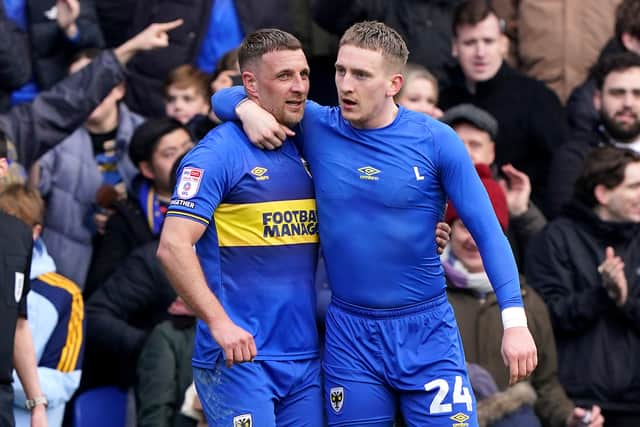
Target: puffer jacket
{"points": [[69, 181]]}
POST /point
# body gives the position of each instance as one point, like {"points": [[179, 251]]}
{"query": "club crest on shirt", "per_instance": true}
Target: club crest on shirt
{"points": [[336, 397], [244, 420], [189, 182], [18, 286]]}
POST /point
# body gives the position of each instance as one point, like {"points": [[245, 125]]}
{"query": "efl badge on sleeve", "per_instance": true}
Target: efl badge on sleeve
{"points": [[18, 286], [189, 182], [243, 420], [336, 395]]}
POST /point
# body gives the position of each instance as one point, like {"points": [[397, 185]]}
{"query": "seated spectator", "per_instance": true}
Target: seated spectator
{"points": [[478, 316], [123, 312], [511, 407], [56, 316], [419, 91], [617, 101], [70, 176], [154, 149], [581, 113], [478, 130], [585, 266], [531, 118], [164, 370], [120, 316]]}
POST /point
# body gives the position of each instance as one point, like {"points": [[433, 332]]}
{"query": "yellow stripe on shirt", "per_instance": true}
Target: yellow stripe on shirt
{"points": [[71, 350], [286, 222]]}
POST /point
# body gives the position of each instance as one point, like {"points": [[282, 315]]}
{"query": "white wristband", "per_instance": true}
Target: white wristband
{"points": [[513, 317]]}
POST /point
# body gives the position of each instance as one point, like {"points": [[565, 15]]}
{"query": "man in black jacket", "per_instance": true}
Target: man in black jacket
{"points": [[121, 315], [585, 265], [617, 101], [154, 148], [530, 115]]}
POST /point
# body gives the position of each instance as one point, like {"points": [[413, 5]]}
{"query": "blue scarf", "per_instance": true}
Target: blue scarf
{"points": [[151, 207]]}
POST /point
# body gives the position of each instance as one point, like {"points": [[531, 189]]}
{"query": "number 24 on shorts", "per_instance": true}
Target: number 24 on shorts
{"points": [[460, 395]]}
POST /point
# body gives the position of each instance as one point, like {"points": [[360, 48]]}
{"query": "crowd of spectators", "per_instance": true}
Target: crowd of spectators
{"points": [[99, 100]]}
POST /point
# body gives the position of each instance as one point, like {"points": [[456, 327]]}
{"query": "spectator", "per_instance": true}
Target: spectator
{"points": [[15, 61], [478, 130], [584, 264], [120, 316], [54, 114], [155, 148], [419, 91], [57, 30], [424, 24], [478, 316], [226, 70], [187, 93], [94, 157], [617, 100], [501, 409], [529, 131], [56, 316], [556, 42], [583, 118], [164, 370]]}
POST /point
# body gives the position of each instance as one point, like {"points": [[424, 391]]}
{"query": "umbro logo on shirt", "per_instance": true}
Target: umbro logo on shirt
{"points": [[259, 172], [368, 173]]}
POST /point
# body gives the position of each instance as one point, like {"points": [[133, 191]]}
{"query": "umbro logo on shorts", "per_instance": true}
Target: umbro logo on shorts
{"points": [[244, 420]]}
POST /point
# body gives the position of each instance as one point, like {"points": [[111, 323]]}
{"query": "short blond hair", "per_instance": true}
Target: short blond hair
{"points": [[379, 37], [23, 202]]}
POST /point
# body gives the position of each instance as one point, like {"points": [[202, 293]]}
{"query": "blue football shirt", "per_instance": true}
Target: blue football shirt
{"points": [[259, 250]]}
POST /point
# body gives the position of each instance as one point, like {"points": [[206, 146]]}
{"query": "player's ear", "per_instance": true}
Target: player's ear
{"points": [[250, 83], [395, 84]]}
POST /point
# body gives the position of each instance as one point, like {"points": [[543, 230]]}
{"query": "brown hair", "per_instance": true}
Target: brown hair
{"points": [[186, 76], [377, 36], [415, 71], [23, 202], [472, 12], [264, 41], [603, 166], [628, 18]]}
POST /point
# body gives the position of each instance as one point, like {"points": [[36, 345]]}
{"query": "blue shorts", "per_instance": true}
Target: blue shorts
{"points": [[265, 393], [411, 358]]}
